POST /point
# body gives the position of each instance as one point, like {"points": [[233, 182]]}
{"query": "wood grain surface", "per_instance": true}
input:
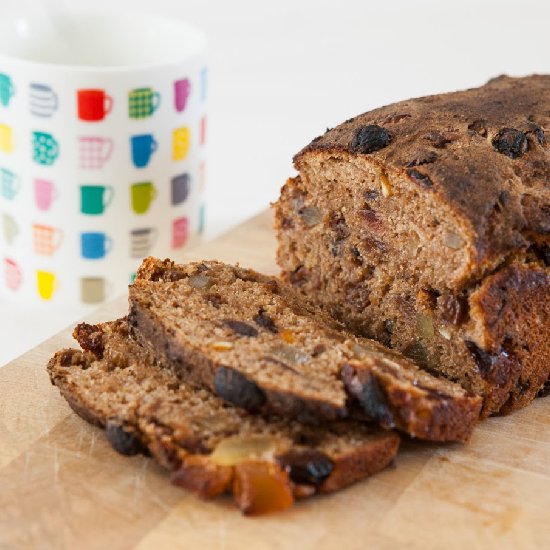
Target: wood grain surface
{"points": [[62, 486]]}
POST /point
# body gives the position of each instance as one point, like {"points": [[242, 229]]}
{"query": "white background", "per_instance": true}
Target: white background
{"points": [[282, 71]]}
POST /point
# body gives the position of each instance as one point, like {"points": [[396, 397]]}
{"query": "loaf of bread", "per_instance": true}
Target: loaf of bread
{"points": [[254, 342], [426, 226], [208, 446]]}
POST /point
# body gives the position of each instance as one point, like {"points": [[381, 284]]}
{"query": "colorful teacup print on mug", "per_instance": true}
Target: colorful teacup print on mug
{"points": [[44, 193], [43, 100], [181, 141], [10, 228], [93, 290], [12, 274], [180, 232], [142, 148], [47, 284], [6, 138], [182, 90], [7, 89], [142, 195], [45, 148], [95, 151], [10, 183], [180, 189], [95, 245], [143, 102], [94, 199], [46, 239], [93, 104], [141, 241]]}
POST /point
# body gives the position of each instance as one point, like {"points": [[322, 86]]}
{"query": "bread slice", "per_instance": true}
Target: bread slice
{"points": [[208, 446], [426, 225], [256, 344]]}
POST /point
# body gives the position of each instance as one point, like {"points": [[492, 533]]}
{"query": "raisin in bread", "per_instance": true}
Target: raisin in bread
{"points": [[426, 226], [208, 446], [257, 344]]}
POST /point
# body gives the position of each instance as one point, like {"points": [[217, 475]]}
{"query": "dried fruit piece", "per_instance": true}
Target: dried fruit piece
{"points": [[420, 178], [261, 487], [215, 299], [424, 326], [511, 142], [452, 240], [123, 440], [338, 224], [265, 321], [234, 450], [538, 132], [417, 353], [290, 354], [386, 185], [437, 139], [200, 281], [222, 346], [453, 309], [478, 127], [299, 276], [370, 195], [311, 215], [369, 139], [307, 467], [370, 217], [237, 389], [422, 157], [318, 350], [243, 329], [287, 336]]}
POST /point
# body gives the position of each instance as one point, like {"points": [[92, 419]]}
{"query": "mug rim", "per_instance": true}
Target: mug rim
{"points": [[199, 47]]}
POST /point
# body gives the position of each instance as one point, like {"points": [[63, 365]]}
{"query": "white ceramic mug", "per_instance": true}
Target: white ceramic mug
{"points": [[95, 109]]}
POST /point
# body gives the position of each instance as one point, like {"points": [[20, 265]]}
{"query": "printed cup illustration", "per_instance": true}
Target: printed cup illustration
{"points": [[180, 189], [202, 218], [204, 82], [46, 283], [142, 147], [7, 89], [44, 194], [202, 131], [45, 148], [93, 290], [180, 232], [142, 195], [93, 105], [10, 229], [12, 274], [43, 100], [141, 241], [46, 239], [182, 90], [6, 138], [10, 184], [95, 152], [181, 141], [143, 102], [95, 245], [94, 199]]}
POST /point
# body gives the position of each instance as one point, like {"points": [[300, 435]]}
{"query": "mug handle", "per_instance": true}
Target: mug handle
{"points": [[108, 152], [17, 180], [154, 235], [59, 240], [108, 245], [110, 195], [153, 192], [108, 104], [156, 101], [55, 148], [154, 145], [12, 88], [55, 101]]}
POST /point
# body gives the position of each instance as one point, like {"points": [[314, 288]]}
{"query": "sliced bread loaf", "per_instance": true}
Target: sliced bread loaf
{"points": [[426, 225], [255, 343], [208, 446]]}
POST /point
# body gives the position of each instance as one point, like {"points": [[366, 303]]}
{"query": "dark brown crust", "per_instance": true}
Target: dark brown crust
{"points": [[513, 308], [430, 411], [424, 413], [466, 171]]}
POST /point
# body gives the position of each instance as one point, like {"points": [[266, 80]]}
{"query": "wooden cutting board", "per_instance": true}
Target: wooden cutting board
{"points": [[62, 486]]}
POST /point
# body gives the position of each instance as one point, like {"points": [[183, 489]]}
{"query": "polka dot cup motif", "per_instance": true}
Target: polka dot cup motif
{"points": [[102, 152]]}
